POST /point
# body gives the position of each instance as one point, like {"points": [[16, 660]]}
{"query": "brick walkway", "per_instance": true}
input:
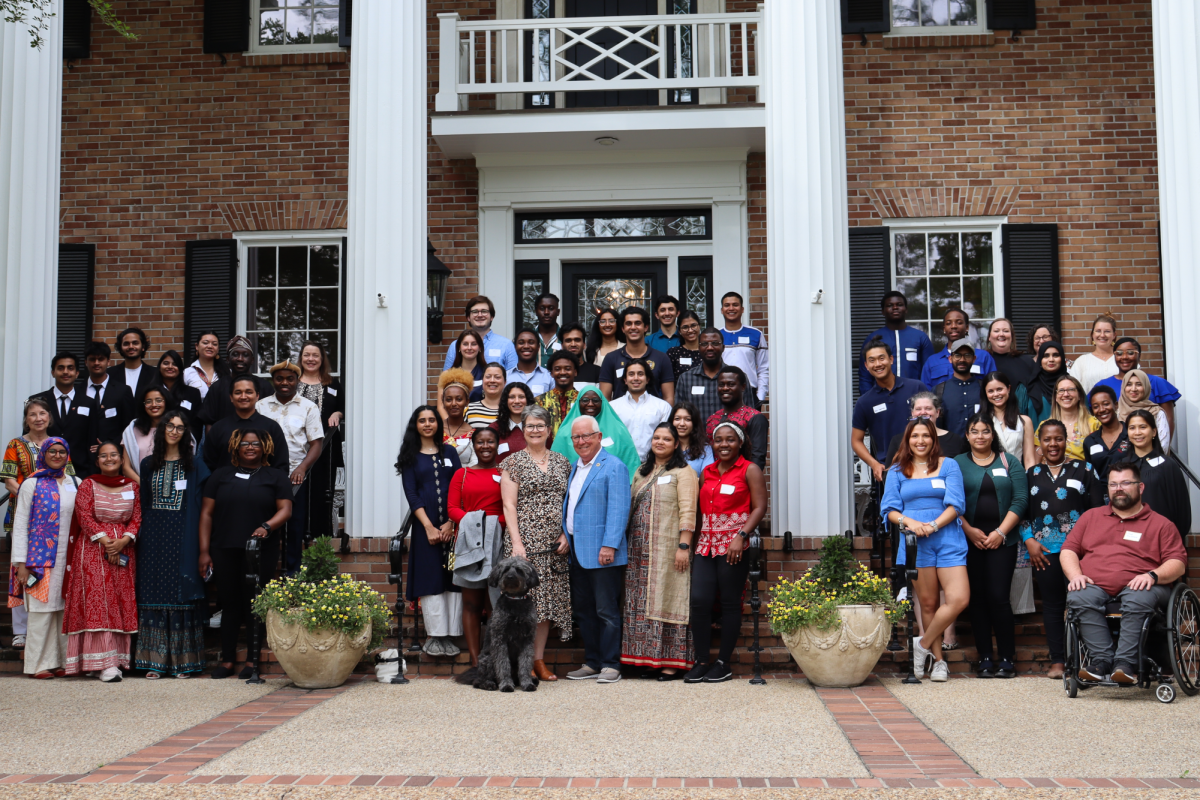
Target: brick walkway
{"points": [[897, 749]]}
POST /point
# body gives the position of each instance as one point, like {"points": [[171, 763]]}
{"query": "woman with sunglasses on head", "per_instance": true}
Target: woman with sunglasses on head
{"points": [[515, 398], [248, 499], [170, 588], [101, 607], [184, 397], [733, 501], [686, 355], [924, 493], [41, 532], [138, 439], [1166, 487]]}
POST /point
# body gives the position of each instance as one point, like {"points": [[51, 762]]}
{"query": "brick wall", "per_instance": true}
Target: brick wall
{"points": [[1057, 126]]}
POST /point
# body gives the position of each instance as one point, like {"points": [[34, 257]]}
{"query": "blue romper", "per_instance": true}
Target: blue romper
{"points": [[924, 500]]}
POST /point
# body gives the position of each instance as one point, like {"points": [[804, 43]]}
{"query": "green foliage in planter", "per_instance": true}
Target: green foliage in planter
{"points": [[318, 597], [838, 579]]}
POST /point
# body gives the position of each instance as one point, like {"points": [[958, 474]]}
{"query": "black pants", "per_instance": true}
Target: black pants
{"points": [[710, 574], [1052, 585], [229, 574], [990, 573], [320, 481]]}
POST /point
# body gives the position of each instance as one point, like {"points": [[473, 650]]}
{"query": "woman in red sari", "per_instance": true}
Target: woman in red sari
{"points": [[101, 607]]}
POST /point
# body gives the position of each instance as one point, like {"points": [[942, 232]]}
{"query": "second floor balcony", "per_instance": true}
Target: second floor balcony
{"points": [[643, 82]]}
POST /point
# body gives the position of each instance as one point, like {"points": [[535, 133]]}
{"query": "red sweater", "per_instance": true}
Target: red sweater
{"points": [[475, 489]]}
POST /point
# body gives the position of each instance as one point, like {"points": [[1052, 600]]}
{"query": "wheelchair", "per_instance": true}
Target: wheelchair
{"points": [[1168, 647]]}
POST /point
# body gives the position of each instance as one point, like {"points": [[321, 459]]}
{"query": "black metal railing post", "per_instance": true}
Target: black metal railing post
{"points": [[396, 550], [910, 574], [758, 573], [254, 630], [897, 575]]}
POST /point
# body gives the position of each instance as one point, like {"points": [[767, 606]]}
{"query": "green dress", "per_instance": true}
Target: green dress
{"points": [[616, 438]]}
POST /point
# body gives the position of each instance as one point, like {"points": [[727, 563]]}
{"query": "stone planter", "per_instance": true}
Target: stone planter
{"points": [[844, 656], [319, 659]]}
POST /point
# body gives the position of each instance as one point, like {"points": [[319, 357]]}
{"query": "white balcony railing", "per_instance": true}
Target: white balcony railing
{"points": [[674, 52]]}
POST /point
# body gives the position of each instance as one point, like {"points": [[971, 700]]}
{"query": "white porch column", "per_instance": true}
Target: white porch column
{"points": [[1177, 98], [387, 227], [807, 245], [30, 148]]}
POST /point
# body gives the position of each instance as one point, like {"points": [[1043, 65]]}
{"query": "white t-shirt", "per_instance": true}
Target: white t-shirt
{"points": [[576, 489], [131, 378]]}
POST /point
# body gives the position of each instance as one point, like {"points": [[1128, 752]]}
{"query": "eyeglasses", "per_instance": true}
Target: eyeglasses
{"points": [[583, 437], [250, 444], [158, 401], [480, 312], [535, 427], [1127, 353], [1065, 392], [919, 419], [175, 428], [1122, 484]]}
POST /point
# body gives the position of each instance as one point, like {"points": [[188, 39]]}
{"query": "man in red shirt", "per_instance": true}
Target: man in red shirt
{"points": [[1123, 550]]}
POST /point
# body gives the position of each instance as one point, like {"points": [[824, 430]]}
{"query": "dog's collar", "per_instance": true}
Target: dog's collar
{"points": [[517, 596]]}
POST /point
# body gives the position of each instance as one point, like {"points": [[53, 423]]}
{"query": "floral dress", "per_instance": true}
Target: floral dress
{"points": [[539, 521], [1055, 504]]}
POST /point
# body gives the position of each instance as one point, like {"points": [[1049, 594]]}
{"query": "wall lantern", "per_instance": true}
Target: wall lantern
{"points": [[437, 273]]}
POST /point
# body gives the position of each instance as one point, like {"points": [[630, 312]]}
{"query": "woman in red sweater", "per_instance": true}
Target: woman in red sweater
{"points": [[476, 488]]}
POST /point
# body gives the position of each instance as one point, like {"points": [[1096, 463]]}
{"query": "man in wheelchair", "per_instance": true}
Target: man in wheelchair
{"points": [[1127, 551]]}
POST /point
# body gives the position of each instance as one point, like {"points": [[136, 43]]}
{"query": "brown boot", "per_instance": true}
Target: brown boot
{"points": [[1055, 672], [541, 672]]}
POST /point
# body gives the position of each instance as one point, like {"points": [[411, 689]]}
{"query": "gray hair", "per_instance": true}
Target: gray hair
{"points": [[595, 426], [537, 412], [930, 396]]}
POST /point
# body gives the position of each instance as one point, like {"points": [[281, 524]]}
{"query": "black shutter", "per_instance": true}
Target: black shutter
{"points": [[226, 26], [1031, 277], [870, 280], [866, 16], [77, 29], [76, 287], [345, 13], [1012, 15], [210, 286]]}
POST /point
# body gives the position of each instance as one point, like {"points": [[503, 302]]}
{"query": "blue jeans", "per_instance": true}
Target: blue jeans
{"points": [[596, 607], [295, 530]]}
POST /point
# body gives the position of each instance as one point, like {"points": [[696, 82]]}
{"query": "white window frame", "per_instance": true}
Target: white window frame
{"points": [[935, 30], [248, 239], [257, 49], [990, 225]]}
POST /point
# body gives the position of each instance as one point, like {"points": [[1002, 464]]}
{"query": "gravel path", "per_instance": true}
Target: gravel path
{"points": [[80, 724], [568, 728], [1028, 727]]}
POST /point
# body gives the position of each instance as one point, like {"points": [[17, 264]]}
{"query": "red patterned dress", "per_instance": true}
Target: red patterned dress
{"points": [[724, 507], [101, 605]]}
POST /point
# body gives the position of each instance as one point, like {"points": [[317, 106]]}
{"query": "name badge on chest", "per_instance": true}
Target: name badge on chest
{"points": [[726, 489], [879, 409], [1133, 536], [685, 362], [938, 483], [665, 479]]}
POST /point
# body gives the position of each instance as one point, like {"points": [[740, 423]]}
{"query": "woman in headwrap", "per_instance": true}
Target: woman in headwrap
{"points": [[616, 436], [1039, 395], [454, 389], [45, 507], [1135, 396]]}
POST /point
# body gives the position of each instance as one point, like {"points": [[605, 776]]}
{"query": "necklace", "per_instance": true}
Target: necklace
{"points": [[249, 471], [457, 428], [983, 463], [540, 462]]}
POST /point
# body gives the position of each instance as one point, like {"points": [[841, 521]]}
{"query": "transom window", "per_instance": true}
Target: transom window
{"points": [[941, 268], [532, 228], [924, 17], [294, 24], [294, 293]]}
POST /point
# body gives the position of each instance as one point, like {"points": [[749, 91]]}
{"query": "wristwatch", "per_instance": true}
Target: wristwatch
{"points": [[745, 536], [684, 546], [935, 526], [267, 527], [1154, 575]]}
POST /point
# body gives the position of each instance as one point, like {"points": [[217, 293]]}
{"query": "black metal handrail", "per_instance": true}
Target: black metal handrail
{"points": [[397, 548], [1191, 476], [758, 574], [254, 633]]}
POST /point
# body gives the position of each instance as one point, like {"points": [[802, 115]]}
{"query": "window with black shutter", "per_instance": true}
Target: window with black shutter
{"points": [[345, 15], [866, 16], [210, 291], [76, 288], [77, 29], [226, 26], [870, 280], [1012, 15], [1031, 276]]}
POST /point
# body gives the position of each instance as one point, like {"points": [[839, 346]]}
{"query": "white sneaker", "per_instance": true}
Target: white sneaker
{"points": [[111, 675], [19, 642], [215, 620], [449, 648], [940, 672], [920, 657]]}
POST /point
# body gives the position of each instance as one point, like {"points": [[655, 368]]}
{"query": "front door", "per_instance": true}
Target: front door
{"points": [[633, 52], [591, 286]]}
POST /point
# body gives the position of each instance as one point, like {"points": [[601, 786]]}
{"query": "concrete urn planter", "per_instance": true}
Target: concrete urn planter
{"points": [[319, 659], [844, 656]]}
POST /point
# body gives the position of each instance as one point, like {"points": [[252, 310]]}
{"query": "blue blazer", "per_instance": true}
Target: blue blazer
{"points": [[602, 511]]}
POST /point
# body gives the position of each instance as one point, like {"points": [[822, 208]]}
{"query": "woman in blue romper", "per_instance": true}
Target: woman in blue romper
{"points": [[924, 493]]}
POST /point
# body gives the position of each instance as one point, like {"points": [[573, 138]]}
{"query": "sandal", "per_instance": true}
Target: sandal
{"points": [[44, 675], [949, 645], [152, 676]]}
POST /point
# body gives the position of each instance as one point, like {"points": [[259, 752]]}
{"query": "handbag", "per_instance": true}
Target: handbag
{"points": [[454, 541]]}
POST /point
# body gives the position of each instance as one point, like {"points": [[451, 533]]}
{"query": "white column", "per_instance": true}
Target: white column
{"points": [[30, 148], [387, 227], [807, 245], [1177, 99], [731, 259], [497, 270]]}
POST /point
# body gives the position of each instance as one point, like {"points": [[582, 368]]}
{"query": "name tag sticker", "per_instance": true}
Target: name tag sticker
{"points": [[242, 475], [697, 390], [126, 495], [743, 340], [449, 463], [83, 411], [726, 489], [496, 478], [296, 422], [555, 346], [879, 409], [464, 441], [977, 408], [186, 404], [494, 352], [999, 472], [1133, 536], [502, 448], [606, 441], [620, 372], [685, 362], [68, 488], [181, 484], [1154, 462], [938, 483], [1096, 448], [910, 356], [1074, 484], [109, 413], [332, 392], [975, 369], [665, 479]]}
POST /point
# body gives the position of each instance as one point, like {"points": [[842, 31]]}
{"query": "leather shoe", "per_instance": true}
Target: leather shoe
{"points": [[1006, 669], [671, 676], [1055, 672], [987, 669], [541, 672]]}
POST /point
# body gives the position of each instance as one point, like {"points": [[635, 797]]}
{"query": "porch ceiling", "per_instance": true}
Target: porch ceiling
{"points": [[462, 135]]}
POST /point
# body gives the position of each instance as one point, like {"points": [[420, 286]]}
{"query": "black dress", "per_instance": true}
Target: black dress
{"points": [[1101, 456], [216, 442], [427, 486], [1166, 489], [329, 400], [683, 359]]}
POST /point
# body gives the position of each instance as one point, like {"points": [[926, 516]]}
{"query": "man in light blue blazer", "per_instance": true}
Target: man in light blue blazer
{"points": [[595, 512]]}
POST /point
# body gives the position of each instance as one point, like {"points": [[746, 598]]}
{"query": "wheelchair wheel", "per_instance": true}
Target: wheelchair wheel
{"points": [[1074, 659], [1165, 693], [1183, 633]]}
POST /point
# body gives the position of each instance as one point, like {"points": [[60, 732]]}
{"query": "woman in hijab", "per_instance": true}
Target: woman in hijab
{"points": [[1039, 399], [1135, 396], [616, 436], [46, 505]]}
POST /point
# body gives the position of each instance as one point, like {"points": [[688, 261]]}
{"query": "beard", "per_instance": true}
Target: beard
{"points": [[1125, 500]]}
